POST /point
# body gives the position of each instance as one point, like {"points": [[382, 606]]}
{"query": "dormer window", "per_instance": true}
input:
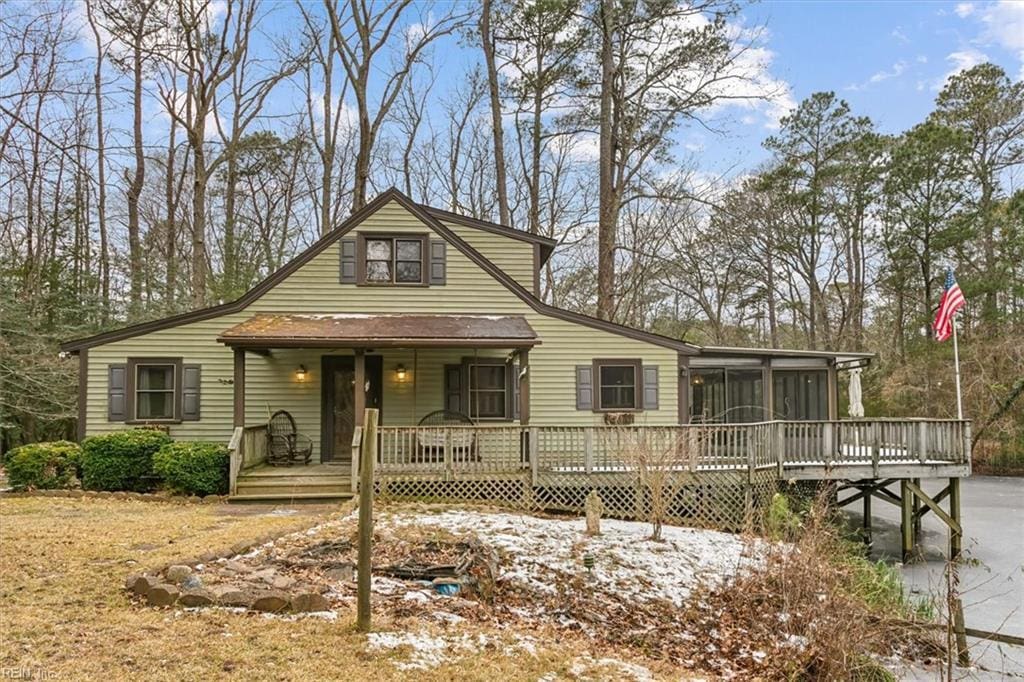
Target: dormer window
{"points": [[396, 260]]}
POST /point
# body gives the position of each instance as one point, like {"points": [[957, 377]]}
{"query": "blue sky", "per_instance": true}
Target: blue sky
{"points": [[887, 59]]}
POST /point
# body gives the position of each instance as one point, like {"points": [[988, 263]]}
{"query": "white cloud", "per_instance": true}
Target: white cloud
{"points": [[1005, 24], [961, 61], [897, 70], [899, 35], [964, 9]]}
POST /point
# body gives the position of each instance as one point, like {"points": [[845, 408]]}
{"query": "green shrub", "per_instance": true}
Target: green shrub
{"points": [[193, 468], [122, 460], [44, 465]]}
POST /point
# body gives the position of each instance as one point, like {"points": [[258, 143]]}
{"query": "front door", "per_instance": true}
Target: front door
{"points": [[339, 403]]}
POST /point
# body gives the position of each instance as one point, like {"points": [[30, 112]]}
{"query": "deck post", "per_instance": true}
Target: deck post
{"points": [[238, 384], [588, 449], [779, 440], [868, 492], [955, 536], [922, 441], [906, 521], [917, 511], [524, 386]]}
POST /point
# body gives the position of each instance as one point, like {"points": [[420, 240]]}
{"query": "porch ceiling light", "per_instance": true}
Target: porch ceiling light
{"points": [[400, 372], [697, 380], [300, 373]]}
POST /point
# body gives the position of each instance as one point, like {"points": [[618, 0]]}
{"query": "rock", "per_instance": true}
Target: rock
{"points": [[235, 597], [237, 566], [342, 573], [271, 602], [140, 584], [196, 597], [162, 595], [282, 582], [192, 582], [177, 573], [310, 601]]}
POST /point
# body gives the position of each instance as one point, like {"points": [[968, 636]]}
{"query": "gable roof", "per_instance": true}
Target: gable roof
{"points": [[351, 223], [547, 245]]}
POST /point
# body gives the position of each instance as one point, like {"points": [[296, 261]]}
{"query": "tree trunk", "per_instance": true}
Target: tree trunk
{"points": [[606, 203], [101, 179], [486, 41], [137, 181], [171, 225], [199, 219]]}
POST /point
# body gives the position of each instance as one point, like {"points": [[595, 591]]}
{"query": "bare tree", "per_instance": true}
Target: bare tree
{"points": [[362, 31]]}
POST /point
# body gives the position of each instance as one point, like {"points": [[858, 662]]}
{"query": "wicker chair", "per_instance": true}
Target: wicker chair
{"points": [[285, 445], [431, 437]]}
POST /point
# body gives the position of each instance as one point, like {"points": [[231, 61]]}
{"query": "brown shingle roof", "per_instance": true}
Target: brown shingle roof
{"points": [[357, 329]]}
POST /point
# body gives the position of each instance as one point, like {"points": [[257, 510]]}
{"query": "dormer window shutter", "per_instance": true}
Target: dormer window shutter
{"points": [[347, 273], [438, 261]]}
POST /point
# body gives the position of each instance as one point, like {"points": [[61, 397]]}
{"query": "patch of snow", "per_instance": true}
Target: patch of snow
{"points": [[626, 560], [428, 651]]}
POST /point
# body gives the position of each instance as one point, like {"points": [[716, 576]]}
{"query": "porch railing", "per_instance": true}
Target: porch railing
{"points": [[785, 445], [247, 448]]}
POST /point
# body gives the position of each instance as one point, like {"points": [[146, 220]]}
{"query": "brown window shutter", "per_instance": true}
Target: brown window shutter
{"points": [[116, 393], [438, 261], [584, 387], [453, 388], [347, 250], [650, 387], [190, 376]]}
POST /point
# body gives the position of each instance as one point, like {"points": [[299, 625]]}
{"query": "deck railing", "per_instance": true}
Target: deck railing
{"points": [[487, 449], [247, 448]]}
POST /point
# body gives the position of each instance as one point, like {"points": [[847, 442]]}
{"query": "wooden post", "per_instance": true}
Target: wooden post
{"points": [[239, 388], [917, 511], [524, 386], [906, 521], [955, 537], [588, 449], [867, 514], [359, 386], [369, 457]]}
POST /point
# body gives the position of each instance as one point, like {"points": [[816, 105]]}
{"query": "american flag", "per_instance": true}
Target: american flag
{"points": [[952, 301]]}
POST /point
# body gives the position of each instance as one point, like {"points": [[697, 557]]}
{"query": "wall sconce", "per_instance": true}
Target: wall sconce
{"points": [[697, 380], [300, 373], [400, 372]]}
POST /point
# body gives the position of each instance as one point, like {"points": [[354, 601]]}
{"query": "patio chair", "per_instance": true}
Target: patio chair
{"points": [[285, 445], [431, 437]]}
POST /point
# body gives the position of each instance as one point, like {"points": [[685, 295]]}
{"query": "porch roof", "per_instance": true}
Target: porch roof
{"points": [[351, 330]]}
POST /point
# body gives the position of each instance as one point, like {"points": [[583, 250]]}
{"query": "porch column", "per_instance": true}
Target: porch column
{"points": [[239, 387], [833, 391], [767, 390], [524, 386], [683, 388], [360, 385]]}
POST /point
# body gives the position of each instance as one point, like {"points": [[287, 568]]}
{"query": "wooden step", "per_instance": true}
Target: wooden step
{"points": [[306, 498], [246, 488], [295, 480]]}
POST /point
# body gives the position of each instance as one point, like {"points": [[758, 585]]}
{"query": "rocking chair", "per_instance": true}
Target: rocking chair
{"points": [[285, 446], [431, 437]]}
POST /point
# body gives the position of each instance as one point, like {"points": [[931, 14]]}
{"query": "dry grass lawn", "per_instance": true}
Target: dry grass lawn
{"points": [[64, 615]]}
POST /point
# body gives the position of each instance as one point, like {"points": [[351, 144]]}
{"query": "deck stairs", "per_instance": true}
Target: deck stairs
{"points": [[310, 483]]}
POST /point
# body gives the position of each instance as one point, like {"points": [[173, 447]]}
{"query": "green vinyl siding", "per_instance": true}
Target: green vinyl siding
{"points": [[314, 288]]}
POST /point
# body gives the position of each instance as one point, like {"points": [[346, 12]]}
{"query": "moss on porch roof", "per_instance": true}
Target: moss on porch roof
{"points": [[357, 329]]}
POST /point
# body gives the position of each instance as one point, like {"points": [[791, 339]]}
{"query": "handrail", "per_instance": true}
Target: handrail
{"points": [[452, 450]]}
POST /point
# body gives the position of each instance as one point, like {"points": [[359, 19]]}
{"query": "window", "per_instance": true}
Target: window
{"points": [[488, 391], [155, 388], [801, 395], [392, 259], [734, 396], [618, 385], [482, 388]]}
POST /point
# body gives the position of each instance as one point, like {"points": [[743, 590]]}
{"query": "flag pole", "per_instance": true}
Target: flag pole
{"points": [[956, 363]]}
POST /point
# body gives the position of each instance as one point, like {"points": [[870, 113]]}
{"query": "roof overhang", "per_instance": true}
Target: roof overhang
{"points": [[355, 330], [837, 357]]}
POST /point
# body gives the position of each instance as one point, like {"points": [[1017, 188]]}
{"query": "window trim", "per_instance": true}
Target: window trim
{"points": [[638, 384], [422, 238], [132, 365], [467, 394]]}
